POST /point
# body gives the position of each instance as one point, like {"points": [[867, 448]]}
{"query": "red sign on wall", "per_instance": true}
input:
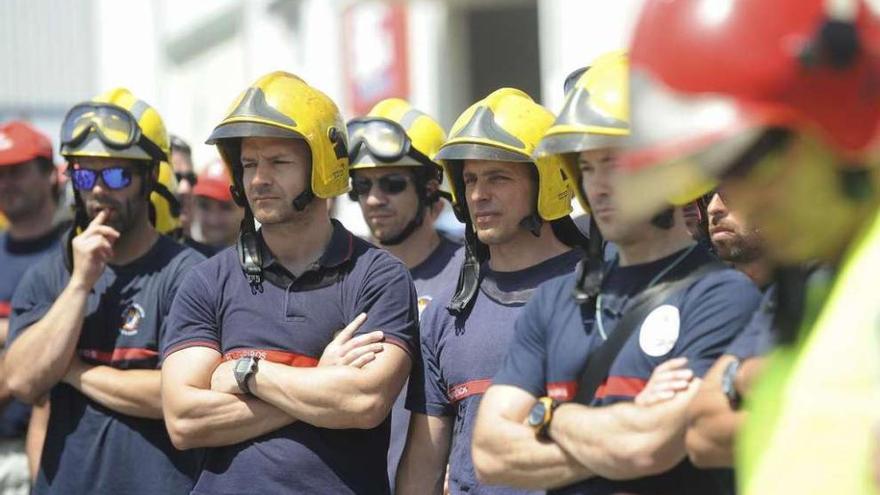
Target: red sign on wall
{"points": [[374, 40]]}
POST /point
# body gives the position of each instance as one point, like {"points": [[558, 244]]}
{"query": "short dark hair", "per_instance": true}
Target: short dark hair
{"points": [[178, 144]]}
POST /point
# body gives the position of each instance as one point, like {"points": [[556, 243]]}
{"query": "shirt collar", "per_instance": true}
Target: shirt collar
{"points": [[338, 250]]}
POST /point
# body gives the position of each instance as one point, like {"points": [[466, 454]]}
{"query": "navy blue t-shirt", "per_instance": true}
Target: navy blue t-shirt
{"points": [[15, 258], [90, 448], [757, 338], [553, 342], [461, 354], [439, 271], [291, 320]]}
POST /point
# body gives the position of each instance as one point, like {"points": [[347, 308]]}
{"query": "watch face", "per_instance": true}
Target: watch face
{"points": [[243, 365], [536, 415]]}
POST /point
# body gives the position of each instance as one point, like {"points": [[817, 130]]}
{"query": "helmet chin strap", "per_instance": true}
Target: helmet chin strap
{"points": [[407, 231], [302, 201], [532, 223]]}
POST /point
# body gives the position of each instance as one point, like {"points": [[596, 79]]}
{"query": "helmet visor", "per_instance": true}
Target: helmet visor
{"points": [[680, 145]]}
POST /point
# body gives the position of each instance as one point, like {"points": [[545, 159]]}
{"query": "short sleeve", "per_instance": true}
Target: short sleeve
{"points": [[757, 337], [388, 297], [526, 362], [716, 310], [34, 296], [427, 392], [192, 320]]}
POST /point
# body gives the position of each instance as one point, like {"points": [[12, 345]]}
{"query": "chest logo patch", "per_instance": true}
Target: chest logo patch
{"points": [[659, 331], [423, 303], [131, 319]]}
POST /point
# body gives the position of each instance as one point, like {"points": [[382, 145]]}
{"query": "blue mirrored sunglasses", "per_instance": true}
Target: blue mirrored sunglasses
{"points": [[114, 178]]}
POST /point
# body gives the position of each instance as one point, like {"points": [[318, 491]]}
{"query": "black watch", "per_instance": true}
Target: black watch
{"points": [[728, 384], [541, 414], [245, 368]]}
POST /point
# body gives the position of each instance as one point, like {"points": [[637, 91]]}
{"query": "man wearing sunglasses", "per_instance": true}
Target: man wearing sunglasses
{"points": [[86, 324], [397, 185], [184, 172], [519, 235], [255, 368], [28, 198]]}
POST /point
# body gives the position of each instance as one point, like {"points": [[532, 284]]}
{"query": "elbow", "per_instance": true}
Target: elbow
{"points": [[184, 433], [22, 389], [488, 468], [369, 411], [644, 457]]}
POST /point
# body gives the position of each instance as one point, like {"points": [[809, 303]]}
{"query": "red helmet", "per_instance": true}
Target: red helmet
{"points": [[709, 75]]}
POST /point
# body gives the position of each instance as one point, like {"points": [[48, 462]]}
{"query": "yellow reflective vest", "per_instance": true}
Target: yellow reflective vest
{"points": [[813, 413]]}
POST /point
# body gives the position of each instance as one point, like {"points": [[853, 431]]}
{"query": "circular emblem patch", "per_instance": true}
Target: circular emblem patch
{"points": [[659, 331], [131, 319]]}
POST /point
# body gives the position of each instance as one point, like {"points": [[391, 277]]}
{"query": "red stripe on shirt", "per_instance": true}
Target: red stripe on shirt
{"points": [[5, 309], [562, 391], [457, 393], [118, 355], [281, 357], [621, 386]]}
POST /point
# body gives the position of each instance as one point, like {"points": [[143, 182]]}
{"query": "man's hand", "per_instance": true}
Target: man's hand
{"points": [[347, 350], [223, 379], [667, 379], [91, 251]]}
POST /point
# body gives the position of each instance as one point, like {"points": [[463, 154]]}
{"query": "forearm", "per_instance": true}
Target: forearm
{"points": [[131, 392], [39, 357], [508, 453], [622, 441], [712, 422], [197, 418], [327, 396], [5, 394], [421, 471], [4, 331], [36, 435]]}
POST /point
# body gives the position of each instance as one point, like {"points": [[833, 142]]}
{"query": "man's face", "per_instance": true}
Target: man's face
{"points": [[276, 171], [24, 189], [734, 240], [219, 220], [387, 213], [499, 195], [126, 206], [598, 168], [183, 168]]}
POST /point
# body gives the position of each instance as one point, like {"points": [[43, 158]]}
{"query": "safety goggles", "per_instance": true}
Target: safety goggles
{"points": [[384, 139], [388, 184], [115, 178], [116, 127]]}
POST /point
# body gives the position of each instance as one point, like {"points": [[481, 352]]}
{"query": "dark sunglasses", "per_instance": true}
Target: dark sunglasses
{"points": [[188, 176], [389, 184], [114, 178]]}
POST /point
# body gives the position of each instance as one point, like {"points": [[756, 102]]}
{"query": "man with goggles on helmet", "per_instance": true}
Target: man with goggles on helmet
{"points": [[397, 186], [554, 417], [86, 324], [255, 367], [519, 235]]}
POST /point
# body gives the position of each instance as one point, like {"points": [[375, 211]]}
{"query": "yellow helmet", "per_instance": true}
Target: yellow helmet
{"points": [[595, 115], [376, 140], [280, 104], [506, 126], [117, 124]]}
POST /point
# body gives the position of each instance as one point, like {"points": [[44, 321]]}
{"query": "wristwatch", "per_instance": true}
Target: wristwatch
{"points": [[541, 414], [728, 384], [245, 368]]}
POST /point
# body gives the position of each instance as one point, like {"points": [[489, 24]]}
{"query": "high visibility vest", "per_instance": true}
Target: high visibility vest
{"points": [[813, 413]]}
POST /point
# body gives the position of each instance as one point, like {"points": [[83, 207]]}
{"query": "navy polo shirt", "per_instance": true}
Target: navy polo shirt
{"points": [[15, 258], [291, 320], [437, 272], [461, 354], [90, 448], [757, 338], [553, 342]]}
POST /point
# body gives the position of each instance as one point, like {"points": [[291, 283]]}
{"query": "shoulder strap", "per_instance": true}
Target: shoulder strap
{"points": [[599, 362]]}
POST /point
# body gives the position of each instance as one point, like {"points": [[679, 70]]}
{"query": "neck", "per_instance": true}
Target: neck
{"points": [[35, 224], [525, 250], [297, 244], [758, 270], [417, 247], [654, 247], [134, 243]]}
